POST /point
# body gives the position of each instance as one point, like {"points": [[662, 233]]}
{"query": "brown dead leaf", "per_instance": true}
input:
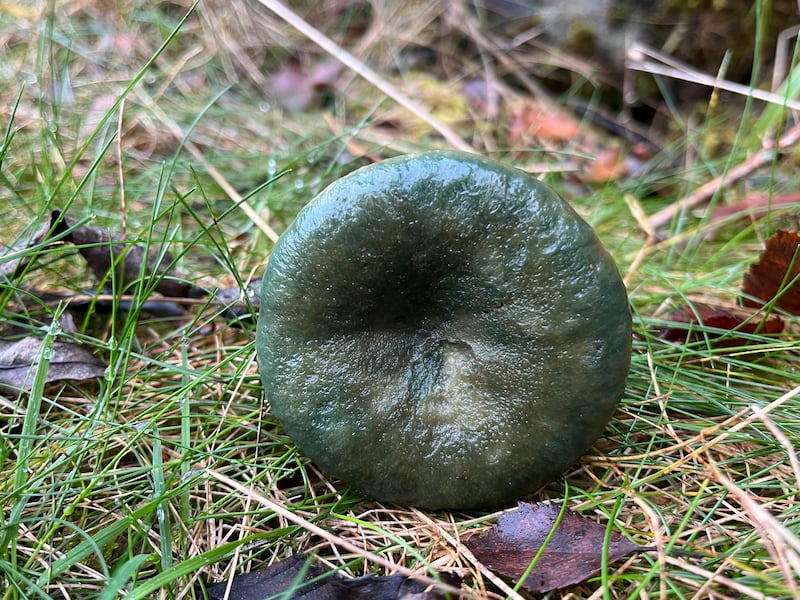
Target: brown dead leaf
{"points": [[720, 318], [295, 88], [296, 577], [13, 260], [572, 555], [775, 275], [530, 119], [69, 361], [103, 250]]}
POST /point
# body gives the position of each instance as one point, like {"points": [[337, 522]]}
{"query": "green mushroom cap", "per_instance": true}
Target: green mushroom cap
{"points": [[443, 331]]}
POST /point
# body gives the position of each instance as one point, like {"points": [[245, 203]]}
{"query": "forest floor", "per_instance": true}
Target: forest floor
{"points": [[145, 462]]}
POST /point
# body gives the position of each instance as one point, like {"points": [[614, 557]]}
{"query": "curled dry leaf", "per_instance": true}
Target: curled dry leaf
{"points": [[573, 554], [719, 318], [531, 119], [775, 275], [609, 165], [294, 87], [13, 260], [103, 250]]}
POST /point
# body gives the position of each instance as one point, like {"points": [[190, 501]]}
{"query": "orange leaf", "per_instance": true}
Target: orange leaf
{"points": [[606, 167], [532, 119]]}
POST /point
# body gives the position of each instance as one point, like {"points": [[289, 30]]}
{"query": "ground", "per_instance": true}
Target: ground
{"points": [[202, 131]]}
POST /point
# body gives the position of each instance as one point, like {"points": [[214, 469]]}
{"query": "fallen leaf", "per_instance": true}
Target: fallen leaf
{"points": [[103, 250], [607, 166], [572, 555], [304, 580], [69, 361], [531, 119], [294, 88], [13, 260], [775, 274], [719, 318], [483, 98]]}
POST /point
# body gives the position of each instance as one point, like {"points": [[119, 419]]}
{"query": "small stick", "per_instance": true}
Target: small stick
{"points": [[707, 190], [353, 63]]}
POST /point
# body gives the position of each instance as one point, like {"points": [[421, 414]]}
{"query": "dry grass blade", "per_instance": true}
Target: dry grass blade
{"points": [[293, 517], [712, 577], [649, 60], [779, 541], [367, 73], [169, 470], [179, 134], [467, 553]]}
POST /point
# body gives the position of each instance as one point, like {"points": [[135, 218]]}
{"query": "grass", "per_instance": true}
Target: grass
{"points": [[159, 122]]}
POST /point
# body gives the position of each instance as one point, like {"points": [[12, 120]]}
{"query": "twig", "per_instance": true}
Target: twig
{"points": [[470, 557], [353, 63], [707, 190], [721, 580]]}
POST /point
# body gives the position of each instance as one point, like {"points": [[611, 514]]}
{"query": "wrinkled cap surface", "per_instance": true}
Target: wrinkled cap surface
{"points": [[444, 331]]}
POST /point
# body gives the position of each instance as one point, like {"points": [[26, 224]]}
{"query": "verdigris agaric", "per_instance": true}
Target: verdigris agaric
{"points": [[443, 331]]}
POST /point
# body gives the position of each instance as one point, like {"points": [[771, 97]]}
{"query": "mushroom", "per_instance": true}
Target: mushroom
{"points": [[444, 331]]}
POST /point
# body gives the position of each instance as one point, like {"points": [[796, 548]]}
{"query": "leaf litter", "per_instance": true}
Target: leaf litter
{"points": [[775, 275], [69, 362], [572, 554], [235, 292], [772, 281], [104, 252], [297, 578]]}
